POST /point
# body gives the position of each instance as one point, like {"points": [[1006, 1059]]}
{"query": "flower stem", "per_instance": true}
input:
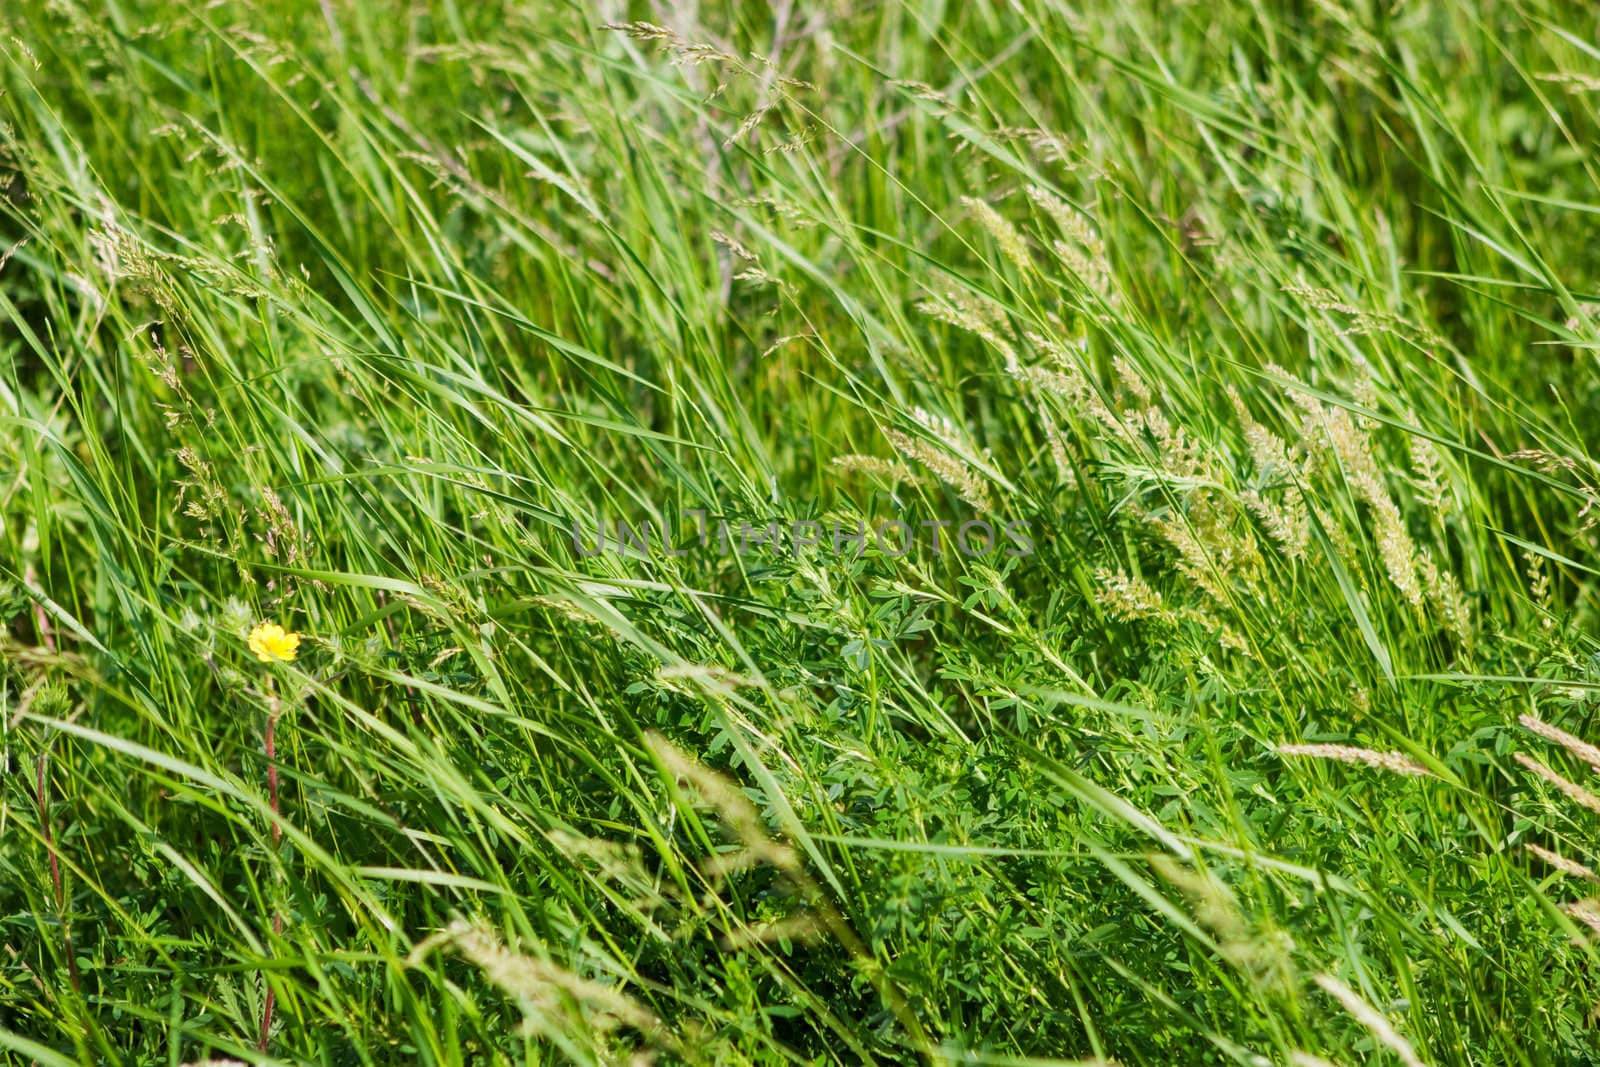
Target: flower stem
{"points": [[42, 791], [273, 708]]}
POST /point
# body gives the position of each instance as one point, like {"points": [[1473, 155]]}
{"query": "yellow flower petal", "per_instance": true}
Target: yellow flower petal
{"points": [[269, 641]]}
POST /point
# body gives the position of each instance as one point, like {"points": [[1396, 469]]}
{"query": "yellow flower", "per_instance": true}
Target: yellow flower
{"points": [[269, 641]]}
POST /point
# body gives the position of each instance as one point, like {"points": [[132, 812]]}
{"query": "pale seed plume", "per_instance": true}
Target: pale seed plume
{"points": [[979, 316], [1350, 446], [734, 807], [1397, 762], [1568, 867], [1577, 746], [1265, 956], [541, 986], [1444, 593], [949, 468], [803, 927], [1010, 240], [1126, 597], [875, 466], [1369, 1017], [1573, 790], [1586, 912]]}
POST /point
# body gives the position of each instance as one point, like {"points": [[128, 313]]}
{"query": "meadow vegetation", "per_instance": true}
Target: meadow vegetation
{"points": [[1275, 321]]}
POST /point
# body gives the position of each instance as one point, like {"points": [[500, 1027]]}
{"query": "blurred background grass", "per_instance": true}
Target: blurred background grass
{"points": [[1274, 321]]}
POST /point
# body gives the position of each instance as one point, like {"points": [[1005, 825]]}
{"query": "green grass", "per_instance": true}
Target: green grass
{"points": [[1275, 321]]}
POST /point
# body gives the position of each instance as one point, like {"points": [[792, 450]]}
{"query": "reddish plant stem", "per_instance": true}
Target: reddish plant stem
{"points": [[41, 621], [43, 794], [41, 624], [44, 825], [272, 765], [266, 1020], [273, 707]]}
